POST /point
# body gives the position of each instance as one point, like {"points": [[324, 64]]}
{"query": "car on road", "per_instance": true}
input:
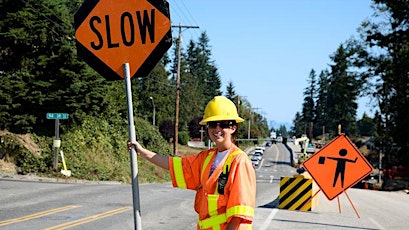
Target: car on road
{"points": [[310, 148], [257, 156], [279, 139], [259, 149], [255, 162]]}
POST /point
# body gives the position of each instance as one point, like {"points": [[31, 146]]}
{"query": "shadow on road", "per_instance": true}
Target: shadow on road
{"points": [[280, 162], [272, 204], [324, 225]]}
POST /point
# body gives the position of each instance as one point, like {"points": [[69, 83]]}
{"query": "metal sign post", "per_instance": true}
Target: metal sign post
{"points": [[57, 141], [110, 33], [132, 137]]}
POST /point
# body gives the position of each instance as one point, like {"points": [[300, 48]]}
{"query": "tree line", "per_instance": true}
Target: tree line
{"points": [[40, 73], [375, 65]]}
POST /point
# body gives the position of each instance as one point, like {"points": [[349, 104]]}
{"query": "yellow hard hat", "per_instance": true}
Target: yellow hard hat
{"points": [[220, 108]]}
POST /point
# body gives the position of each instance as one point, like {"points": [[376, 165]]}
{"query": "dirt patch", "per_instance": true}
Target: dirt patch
{"points": [[24, 139], [7, 167]]}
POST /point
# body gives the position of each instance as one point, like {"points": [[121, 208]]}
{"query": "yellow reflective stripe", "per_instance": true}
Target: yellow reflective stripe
{"points": [[215, 220], [178, 170], [205, 163], [230, 159], [240, 210], [212, 199], [212, 222], [212, 204]]}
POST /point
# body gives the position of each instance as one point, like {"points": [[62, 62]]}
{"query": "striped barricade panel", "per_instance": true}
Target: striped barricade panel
{"points": [[295, 192]]}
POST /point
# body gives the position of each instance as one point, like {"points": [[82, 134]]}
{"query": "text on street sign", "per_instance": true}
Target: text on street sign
{"points": [[57, 115]]}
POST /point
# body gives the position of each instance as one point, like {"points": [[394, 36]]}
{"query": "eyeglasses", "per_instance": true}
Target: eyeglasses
{"points": [[221, 124]]}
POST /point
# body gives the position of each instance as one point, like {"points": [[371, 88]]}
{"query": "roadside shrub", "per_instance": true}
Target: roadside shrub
{"points": [[23, 151], [96, 150], [183, 137]]}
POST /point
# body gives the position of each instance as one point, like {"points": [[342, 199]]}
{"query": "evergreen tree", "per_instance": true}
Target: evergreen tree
{"points": [[231, 93], [244, 109], [366, 126], [39, 71], [202, 67], [283, 131], [322, 117], [308, 108], [299, 126], [342, 93], [388, 36], [193, 88], [155, 89]]}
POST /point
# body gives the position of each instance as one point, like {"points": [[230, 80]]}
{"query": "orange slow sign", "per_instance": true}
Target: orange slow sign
{"points": [[111, 33], [337, 166]]}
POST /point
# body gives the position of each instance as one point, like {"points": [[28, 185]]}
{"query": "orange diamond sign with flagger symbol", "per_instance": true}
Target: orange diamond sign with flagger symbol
{"points": [[337, 166], [111, 33]]}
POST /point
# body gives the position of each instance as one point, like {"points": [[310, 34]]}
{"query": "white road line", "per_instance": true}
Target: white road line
{"points": [[275, 210], [278, 154], [269, 219], [376, 223]]}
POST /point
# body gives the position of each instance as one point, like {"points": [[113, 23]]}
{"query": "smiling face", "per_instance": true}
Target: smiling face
{"points": [[220, 132]]}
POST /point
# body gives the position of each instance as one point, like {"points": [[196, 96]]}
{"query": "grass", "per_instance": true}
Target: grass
{"points": [[184, 150]]}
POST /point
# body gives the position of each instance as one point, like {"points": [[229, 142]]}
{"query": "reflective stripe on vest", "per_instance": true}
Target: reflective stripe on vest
{"points": [[178, 170], [213, 222], [215, 219], [240, 210], [205, 163]]}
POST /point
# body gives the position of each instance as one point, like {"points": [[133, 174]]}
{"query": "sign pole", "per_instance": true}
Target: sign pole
{"points": [[56, 142], [132, 137], [353, 206]]}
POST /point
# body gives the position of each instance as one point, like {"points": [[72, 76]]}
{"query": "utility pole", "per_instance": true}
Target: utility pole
{"points": [[175, 139]]}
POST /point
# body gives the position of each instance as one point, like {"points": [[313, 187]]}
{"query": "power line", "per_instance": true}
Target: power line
{"points": [[182, 16]]}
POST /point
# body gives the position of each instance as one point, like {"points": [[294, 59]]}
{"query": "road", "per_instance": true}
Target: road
{"points": [[27, 204]]}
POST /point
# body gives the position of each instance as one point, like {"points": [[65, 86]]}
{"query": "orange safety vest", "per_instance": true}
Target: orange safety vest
{"points": [[214, 209]]}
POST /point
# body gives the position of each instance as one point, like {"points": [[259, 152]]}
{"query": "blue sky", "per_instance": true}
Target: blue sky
{"points": [[267, 48]]}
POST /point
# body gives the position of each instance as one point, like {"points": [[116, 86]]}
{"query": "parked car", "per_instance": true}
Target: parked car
{"points": [[268, 144]]}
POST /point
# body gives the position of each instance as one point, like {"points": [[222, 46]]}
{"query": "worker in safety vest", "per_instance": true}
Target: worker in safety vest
{"points": [[223, 177]]}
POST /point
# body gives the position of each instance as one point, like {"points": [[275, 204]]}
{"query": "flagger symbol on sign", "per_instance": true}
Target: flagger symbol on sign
{"points": [[341, 163]]}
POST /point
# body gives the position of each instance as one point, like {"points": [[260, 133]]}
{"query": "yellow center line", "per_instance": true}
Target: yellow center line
{"points": [[278, 154], [89, 219], [37, 215]]}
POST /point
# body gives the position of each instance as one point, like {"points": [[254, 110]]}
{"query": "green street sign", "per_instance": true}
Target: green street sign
{"points": [[57, 115]]}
